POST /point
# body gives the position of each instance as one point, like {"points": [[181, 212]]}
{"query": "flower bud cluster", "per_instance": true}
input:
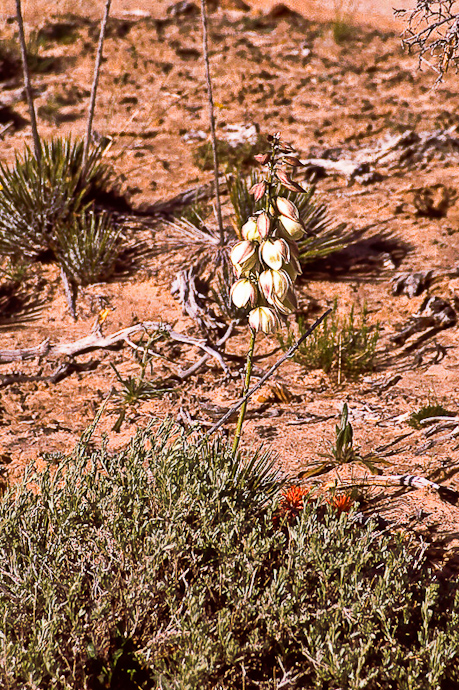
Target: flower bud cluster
{"points": [[266, 260]]}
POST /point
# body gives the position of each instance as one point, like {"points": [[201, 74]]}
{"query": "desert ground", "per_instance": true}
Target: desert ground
{"points": [[360, 99]]}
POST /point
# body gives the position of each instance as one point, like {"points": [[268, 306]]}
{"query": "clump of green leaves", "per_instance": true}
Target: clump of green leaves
{"points": [[427, 412], [346, 345], [239, 157], [88, 246], [160, 566]]}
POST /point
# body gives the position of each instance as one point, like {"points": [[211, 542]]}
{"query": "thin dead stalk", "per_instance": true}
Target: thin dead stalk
{"points": [[290, 352], [27, 84], [210, 101], [92, 100]]}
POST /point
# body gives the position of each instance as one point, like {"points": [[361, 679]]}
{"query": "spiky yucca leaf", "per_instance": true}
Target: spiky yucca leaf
{"points": [[88, 246], [35, 197]]}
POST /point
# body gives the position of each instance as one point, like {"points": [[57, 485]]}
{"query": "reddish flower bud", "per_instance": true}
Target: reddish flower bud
{"points": [[258, 190], [263, 158], [287, 181], [263, 224], [293, 161], [287, 208]]}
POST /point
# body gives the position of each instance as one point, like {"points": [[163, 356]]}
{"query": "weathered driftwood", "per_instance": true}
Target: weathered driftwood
{"points": [[95, 341]]}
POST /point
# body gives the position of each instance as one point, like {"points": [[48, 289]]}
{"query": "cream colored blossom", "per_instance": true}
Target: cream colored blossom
{"points": [[274, 284], [293, 228], [264, 319], [244, 292], [274, 253], [249, 230], [244, 256]]}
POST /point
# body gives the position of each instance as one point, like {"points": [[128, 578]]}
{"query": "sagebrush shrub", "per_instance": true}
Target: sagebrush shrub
{"points": [[160, 567]]}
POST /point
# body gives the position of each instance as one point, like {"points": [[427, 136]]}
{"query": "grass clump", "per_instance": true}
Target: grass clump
{"points": [[426, 412], [160, 567], [238, 157], [345, 345]]}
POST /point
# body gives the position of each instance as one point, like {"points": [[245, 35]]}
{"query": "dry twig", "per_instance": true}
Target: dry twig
{"points": [[433, 27]]}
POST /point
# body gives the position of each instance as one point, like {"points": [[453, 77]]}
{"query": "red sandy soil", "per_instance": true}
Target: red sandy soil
{"points": [[152, 92]]}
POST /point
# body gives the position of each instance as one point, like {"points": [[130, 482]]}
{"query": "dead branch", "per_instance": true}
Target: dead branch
{"points": [[27, 84], [94, 341], [433, 27], [92, 101]]}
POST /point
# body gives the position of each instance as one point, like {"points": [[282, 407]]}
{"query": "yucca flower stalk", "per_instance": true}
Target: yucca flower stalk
{"points": [[266, 260]]}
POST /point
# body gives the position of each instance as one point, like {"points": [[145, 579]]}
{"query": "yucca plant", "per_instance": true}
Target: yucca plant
{"points": [[321, 239], [88, 246], [37, 198]]}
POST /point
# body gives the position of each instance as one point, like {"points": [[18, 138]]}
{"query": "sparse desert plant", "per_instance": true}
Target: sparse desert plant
{"points": [[232, 157], [159, 566], [342, 345], [428, 412], [35, 198], [343, 27]]}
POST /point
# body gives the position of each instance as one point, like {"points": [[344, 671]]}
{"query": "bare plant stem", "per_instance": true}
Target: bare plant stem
{"points": [[27, 85], [210, 101], [248, 374], [290, 352], [95, 82]]}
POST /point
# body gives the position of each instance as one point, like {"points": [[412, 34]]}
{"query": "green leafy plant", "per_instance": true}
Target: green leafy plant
{"points": [[341, 345], [427, 412], [343, 452], [35, 199], [135, 389], [159, 567]]}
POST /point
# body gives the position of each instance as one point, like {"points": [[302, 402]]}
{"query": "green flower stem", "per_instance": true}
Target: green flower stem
{"points": [[248, 373]]}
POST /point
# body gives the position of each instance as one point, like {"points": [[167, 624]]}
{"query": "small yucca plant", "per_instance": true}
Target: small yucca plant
{"points": [[88, 246], [37, 198]]}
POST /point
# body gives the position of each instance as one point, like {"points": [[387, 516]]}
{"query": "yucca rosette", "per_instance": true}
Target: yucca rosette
{"points": [[264, 319]]}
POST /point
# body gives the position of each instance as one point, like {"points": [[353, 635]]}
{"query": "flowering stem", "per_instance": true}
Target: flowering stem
{"points": [[248, 373]]}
